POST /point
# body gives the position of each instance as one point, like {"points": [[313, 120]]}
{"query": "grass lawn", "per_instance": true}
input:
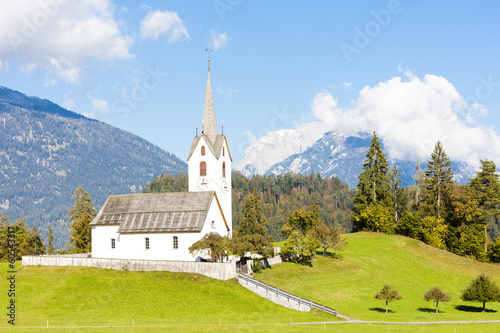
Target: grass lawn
{"points": [[85, 296], [372, 260]]}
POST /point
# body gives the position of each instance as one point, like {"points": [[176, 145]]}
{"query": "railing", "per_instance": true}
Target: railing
{"points": [[289, 297]]}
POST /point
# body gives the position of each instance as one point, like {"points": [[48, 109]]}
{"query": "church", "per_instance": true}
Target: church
{"points": [[162, 226]]}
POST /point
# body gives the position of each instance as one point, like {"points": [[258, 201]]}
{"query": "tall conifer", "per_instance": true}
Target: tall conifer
{"points": [[373, 183], [486, 186], [438, 180]]}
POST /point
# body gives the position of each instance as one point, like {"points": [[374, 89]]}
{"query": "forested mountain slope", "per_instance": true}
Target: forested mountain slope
{"points": [[47, 151]]}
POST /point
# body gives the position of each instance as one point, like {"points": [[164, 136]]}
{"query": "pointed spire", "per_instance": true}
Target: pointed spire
{"points": [[209, 123]]}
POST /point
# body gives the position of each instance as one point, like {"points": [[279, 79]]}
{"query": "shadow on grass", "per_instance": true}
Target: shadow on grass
{"points": [[429, 310], [468, 308], [329, 254], [380, 310]]}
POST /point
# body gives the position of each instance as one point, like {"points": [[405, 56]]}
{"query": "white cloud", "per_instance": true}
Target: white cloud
{"points": [[101, 106], [158, 23], [59, 36], [411, 116], [218, 41]]}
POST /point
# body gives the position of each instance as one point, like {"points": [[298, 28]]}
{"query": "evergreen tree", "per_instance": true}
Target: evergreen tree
{"points": [[373, 186], [50, 241], [396, 192], [373, 181], [486, 186], [252, 221], [81, 214], [419, 177], [438, 181]]}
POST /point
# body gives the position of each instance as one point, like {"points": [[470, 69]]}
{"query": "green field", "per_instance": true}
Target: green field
{"points": [[84, 296], [162, 301], [371, 260]]}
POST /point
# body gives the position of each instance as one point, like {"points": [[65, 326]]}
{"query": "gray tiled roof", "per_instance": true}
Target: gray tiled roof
{"points": [[156, 212]]}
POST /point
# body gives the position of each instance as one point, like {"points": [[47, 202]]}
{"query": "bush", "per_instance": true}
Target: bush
{"points": [[256, 266]]}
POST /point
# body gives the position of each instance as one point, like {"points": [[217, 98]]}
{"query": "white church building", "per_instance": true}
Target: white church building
{"points": [[162, 226]]}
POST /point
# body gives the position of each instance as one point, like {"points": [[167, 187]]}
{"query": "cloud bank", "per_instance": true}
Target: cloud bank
{"points": [[410, 115]]}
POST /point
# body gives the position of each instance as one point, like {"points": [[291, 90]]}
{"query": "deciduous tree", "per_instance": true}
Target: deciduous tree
{"points": [[482, 289], [216, 245], [388, 294], [329, 237], [437, 295]]}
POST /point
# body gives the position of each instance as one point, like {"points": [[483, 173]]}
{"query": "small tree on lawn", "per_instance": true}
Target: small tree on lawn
{"points": [[437, 295], [216, 245], [482, 289], [328, 237], [388, 294]]}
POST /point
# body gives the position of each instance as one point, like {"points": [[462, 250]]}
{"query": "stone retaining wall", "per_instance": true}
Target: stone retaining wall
{"points": [[220, 271]]}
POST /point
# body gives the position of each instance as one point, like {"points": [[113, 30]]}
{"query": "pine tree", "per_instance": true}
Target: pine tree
{"points": [[373, 186], [50, 241], [419, 181], [438, 180], [486, 186], [81, 214], [252, 222], [396, 192]]}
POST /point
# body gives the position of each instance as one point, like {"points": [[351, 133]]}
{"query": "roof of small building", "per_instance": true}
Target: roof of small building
{"points": [[156, 212]]}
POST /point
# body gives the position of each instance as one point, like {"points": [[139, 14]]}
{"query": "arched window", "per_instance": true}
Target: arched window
{"points": [[176, 242], [223, 153], [147, 243], [223, 169], [202, 150], [203, 169], [113, 243]]}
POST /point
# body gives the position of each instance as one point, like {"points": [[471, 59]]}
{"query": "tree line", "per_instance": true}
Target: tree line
{"points": [[436, 210], [28, 241], [280, 196]]}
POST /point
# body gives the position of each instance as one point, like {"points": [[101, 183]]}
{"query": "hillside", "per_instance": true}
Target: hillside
{"points": [[83, 296], [47, 151], [372, 260]]}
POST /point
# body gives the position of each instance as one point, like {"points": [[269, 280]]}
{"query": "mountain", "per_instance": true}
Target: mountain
{"points": [[336, 153], [47, 151]]}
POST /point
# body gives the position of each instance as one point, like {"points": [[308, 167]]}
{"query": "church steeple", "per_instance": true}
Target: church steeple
{"points": [[209, 124]]}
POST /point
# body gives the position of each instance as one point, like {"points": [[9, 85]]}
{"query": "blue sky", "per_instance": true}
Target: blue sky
{"points": [[274, 65]]}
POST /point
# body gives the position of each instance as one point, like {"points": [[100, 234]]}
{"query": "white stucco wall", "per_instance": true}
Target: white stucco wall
{"points": [[132, 246], [214, 176]]}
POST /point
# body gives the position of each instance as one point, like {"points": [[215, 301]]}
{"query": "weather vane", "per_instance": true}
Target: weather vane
{"points": [[208, 52]]}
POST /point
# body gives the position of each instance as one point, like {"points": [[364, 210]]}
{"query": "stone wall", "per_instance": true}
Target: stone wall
{"points": [[220, 271]]}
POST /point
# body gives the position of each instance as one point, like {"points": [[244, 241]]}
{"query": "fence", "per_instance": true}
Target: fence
{"points": [[282, 297], [216, 270]]}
